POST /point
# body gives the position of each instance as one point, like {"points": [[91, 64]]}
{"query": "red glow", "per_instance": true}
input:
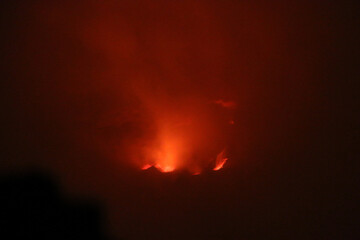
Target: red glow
{"points": [[129, 95], [225, 104]]}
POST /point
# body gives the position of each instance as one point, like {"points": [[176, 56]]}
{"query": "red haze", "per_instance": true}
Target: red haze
{"points": [[105, 94], [163, 71]]}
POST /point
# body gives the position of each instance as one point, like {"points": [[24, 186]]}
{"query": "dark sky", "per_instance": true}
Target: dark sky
{"points": [[83, 81]]}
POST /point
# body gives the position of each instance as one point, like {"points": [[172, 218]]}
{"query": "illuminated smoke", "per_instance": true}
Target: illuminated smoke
{"points": [[161, 75]]}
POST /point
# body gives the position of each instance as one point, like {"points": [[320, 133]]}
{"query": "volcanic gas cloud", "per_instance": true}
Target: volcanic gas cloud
{"points": [[159, 72]]}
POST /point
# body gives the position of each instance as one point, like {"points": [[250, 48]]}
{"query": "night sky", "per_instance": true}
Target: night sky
{"points": [[86, 85]]}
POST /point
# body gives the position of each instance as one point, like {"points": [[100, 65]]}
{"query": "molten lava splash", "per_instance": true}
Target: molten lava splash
{"points": [[220, 160]]}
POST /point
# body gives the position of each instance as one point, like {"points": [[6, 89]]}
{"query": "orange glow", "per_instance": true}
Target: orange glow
{"points": [[165, 168], [187, 137], [146, 166], [220, 161], [166, 156]]}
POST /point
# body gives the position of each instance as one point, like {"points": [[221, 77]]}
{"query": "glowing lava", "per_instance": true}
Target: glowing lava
{"points": [[220, 160], [146, 166]]}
